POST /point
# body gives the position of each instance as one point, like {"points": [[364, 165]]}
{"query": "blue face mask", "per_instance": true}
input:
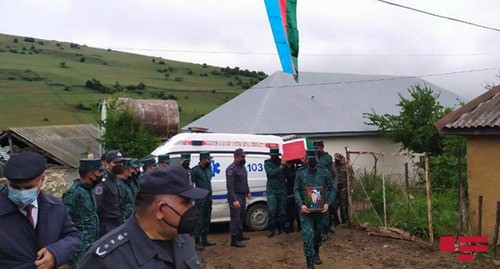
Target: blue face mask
{"points": [[24, 197]]}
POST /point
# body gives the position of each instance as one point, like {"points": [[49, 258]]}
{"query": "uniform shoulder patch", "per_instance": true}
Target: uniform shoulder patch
{"points": [[110, 243], [98, 190]]}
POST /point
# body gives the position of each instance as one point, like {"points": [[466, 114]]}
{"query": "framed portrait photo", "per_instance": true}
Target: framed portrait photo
{"points": [[314, 198]]}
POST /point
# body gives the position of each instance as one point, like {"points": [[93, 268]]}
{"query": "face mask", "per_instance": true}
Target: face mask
{"points": [[313, 163], [116, 170], [275, 159], [23, 198], [242, 162], [188, 222], [337, 162], [206, 164], [185, 165], [97, 180]]}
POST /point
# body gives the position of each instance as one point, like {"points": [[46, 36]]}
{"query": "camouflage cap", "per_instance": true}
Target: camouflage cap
{"points": [[311, 154], [185, 157], [205, 155], [148, 162], [165, 158], [319, 143], [90, 164]]}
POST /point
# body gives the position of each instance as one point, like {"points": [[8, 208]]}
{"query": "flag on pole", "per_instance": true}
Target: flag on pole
{"points": [[282, 16]]}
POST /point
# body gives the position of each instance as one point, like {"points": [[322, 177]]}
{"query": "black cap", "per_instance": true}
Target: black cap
{"points": [[274, 151], [170, 180], [114, 156], [24, 166], [239, 152]]}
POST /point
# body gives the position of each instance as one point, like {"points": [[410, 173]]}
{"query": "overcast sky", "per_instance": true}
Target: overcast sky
{"points": [[345, 36]]}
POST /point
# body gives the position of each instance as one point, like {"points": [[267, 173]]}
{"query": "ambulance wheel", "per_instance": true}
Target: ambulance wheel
{"points": [[257, 217]]}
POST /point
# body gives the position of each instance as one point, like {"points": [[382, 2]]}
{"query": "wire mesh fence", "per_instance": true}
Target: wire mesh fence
{"points": [[390, 190]]}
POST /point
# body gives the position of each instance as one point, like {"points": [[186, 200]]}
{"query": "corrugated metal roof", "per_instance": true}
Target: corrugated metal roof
{"points": [[479, 115], [66, 143], [322, 103]]}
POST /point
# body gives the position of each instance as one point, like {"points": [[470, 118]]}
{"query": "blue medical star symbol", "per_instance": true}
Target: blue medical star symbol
{"points": [[215, 168]]}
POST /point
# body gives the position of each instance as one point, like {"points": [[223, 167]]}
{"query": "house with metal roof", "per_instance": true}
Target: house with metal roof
{"points": [[327, 106], [479, 121], [63, 145]]}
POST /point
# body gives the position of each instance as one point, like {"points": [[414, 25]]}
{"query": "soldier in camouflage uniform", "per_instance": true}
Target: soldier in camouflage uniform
{"points": [[123, 173], [276, 192], [312, 223], [341, 174], [82, 207], [148, 164], [325, 160], [163, 160], [201, 176], [135, 179]]}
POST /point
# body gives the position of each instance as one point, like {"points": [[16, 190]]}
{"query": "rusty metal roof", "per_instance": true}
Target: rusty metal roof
{"points": [[479, 116], [65, 143]]}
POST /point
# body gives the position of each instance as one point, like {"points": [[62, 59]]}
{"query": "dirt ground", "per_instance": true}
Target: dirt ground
{"points": [[347, 248]]}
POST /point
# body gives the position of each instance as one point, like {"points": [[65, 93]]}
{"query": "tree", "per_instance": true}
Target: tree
{"points": [[414, 126], [125, 132], [414, 129]]}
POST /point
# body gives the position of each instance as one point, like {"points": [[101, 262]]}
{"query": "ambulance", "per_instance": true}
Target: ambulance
{"points": [[221, 147]]}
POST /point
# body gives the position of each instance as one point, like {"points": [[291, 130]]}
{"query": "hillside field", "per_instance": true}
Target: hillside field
{"points": [[44, 82]]}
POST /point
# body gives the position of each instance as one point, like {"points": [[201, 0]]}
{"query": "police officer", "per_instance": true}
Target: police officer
{"points": [[148, 164], [237, 193], [326, 161], [123, 173], [82, 207], [185, 162], [201, 176], [157, 235], [276, 192], [107, 195], [35, 228], [313, 175], [164, 160]]}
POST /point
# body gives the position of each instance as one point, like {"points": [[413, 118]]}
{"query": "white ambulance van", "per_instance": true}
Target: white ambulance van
{"points": [[221, 147]]}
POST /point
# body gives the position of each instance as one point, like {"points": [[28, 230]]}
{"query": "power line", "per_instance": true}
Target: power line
{"points": [[439, 16], [314, 54], [380, 79]]}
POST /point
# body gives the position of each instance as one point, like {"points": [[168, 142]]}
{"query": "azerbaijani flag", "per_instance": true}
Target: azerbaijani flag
{"points": [[283, 19]]}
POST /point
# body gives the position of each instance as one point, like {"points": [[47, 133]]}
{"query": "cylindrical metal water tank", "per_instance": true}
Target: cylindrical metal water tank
{"points": [[159, 116]]}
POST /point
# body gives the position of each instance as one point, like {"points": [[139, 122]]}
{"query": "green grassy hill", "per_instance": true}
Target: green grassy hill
{"points": [[44, 82]]}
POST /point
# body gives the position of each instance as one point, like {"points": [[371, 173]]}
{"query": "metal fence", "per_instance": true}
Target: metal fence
{"points": [[390, 190]]}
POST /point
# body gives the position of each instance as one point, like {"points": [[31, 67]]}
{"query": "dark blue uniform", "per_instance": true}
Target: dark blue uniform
{"points": [[107, 196], [129, 247], [237, 190], [20, 241]]}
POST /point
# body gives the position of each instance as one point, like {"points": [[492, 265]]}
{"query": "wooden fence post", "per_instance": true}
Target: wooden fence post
{"points": [[429, 203], [480, 215]]}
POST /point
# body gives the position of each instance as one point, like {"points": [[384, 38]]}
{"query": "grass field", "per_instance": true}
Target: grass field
{"points": [[43, 82]]}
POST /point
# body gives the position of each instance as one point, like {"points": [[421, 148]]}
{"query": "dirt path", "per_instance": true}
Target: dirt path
{"points": [[347, 248]]}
